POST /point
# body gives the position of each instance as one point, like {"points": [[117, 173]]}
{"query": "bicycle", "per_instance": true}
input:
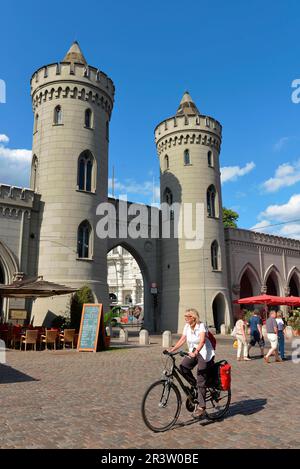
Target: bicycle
{"points": [[161, 404]]}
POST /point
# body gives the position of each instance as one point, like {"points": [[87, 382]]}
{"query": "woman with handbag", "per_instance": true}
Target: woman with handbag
{"points": [[241, 328]]}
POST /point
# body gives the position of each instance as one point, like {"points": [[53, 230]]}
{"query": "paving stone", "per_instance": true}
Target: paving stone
{"points": [[66, 399]]}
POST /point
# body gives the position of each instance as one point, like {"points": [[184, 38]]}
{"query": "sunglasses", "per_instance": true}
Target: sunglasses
{"points": [[188, 316]]}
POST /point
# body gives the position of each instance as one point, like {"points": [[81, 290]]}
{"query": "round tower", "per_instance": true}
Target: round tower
{"points": [[193, 274], [72, 105]]}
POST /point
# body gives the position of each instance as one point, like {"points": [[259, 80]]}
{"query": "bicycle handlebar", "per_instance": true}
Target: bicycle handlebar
{"points": [[172, 354]]}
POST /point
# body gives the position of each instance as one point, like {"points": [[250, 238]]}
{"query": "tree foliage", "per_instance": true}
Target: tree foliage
{"points": [[82, 296], [230, 218]]}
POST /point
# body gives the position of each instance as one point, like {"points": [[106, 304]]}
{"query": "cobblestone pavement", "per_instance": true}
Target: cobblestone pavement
{"points": [[66, 399]]}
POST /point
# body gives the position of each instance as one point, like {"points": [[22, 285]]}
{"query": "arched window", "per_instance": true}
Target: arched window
{"points": [[58, 115], [84, 240], [211, 201], [186, 157], [166, 163], [215, 255], [210, 159], [34, 173], [36, 123], [168, 196], [88, 118], [86, 172]]}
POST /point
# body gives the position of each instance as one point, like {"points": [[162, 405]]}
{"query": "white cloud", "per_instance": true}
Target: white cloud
{"points": [[131, 187], [281, 220], [285, 212], [285, 175], [231, 173], [262, 226], [14, 164], [22, 156], [280, 144], [291, 230], [4, 138]]}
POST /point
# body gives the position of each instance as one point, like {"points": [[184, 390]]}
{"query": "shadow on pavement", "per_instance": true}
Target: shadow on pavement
{"points": [[245, 407], [10, 375]]}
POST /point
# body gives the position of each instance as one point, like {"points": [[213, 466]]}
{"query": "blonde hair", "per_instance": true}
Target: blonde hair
{"points": [[194, 313]]}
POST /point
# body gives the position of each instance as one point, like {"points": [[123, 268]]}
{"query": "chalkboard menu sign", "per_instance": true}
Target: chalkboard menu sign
{"points": [[89, 327]]}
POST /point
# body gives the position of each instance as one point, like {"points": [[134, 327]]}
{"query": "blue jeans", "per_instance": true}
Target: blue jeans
{"points": [[281, 343]]}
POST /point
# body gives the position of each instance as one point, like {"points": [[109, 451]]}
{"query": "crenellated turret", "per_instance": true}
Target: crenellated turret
{"points": [[72, 104], [72, 78], [188, 146]]}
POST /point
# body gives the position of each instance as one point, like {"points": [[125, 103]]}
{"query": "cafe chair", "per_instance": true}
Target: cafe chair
{"points": [[30, 337], [15, 335], [67, 337], [49, 338]]}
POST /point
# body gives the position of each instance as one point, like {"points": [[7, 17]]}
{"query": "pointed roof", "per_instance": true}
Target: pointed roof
{"points": [[187, 107], [75, 54]]}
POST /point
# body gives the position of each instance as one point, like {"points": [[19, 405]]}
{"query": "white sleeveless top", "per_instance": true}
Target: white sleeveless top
{"points": [[193, 338]]}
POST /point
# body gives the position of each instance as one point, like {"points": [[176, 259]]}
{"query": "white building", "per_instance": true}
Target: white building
{"points": [[124, 277]]}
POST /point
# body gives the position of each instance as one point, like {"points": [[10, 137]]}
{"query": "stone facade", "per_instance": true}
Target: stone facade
{"points": [[51, 229], [188, 146], [62, 94]]}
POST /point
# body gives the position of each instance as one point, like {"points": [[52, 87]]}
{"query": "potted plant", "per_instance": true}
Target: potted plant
{"points": [[110, 320], [294, 322]]}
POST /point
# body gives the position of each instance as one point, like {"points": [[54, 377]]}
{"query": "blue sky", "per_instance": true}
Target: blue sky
{"points": [[238, 60]]}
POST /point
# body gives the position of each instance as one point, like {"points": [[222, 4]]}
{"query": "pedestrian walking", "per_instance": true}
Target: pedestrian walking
{"points": [[272, 333], [241, 336], [256, 335], [281, 327]]}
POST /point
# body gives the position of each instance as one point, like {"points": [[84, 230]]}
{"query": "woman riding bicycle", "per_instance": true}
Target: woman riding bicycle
{"points": [[201, 352]]}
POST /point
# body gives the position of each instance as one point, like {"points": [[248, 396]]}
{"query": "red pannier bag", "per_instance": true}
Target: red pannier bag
{"points": [[225, 375], [219, 376]]}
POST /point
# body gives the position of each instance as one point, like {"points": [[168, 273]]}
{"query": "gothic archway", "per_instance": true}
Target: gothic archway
{"points": [[246, 286], [294, 285], [2, 280], [149, 309], [272, 285], [273, 281], [249, 282], [219, 307], [8, 267]]}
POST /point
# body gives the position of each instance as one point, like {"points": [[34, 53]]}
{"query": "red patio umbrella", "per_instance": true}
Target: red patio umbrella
{"points": [[261, 299], [291, 301], [270, 300]]}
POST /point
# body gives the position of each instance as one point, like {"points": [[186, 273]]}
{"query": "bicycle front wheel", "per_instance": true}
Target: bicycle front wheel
{"points": [[217, 403], [161, 406]]}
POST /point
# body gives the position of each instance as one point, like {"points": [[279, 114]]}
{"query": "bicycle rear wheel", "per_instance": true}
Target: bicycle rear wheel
{"points": [[161, 406], [217, 403]]}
